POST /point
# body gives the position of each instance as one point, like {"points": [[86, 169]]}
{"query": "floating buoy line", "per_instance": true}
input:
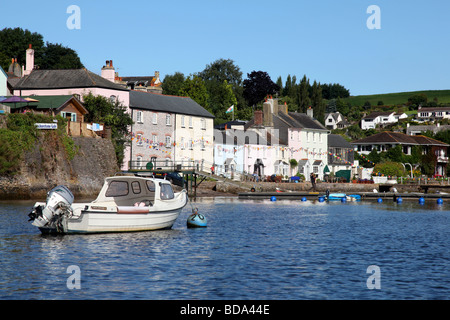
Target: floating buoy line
{"points": [[344, 198]]}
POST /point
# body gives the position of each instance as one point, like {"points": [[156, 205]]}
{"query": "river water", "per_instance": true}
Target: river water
{"points": [[283, 250]]}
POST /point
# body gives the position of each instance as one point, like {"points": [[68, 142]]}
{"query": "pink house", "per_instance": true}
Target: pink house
{"points": [[70, 82], [77, 82]]}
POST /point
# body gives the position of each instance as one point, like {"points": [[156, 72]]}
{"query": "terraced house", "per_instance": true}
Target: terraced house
{"points": [[294, 135], [169, 131]]}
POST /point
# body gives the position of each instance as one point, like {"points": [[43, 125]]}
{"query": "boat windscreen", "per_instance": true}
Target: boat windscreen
{"points": [[117, 189], [166, 191]]}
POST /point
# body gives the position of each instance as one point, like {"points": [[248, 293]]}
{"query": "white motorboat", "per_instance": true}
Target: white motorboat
{"points": [[125, 203]]}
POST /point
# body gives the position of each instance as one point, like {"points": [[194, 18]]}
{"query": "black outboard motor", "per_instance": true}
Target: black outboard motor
{"points": [[59, 200]]}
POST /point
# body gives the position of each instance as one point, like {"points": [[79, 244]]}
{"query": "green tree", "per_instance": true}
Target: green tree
{"points": [[303, 95], [316, 102], [355, 132], [417, 99], [392, 169], [334, 90], [342, 106], [331, 106], [220, 70], [56, 56], [194, 88], [220, 76], [395, 154], [172, 84], [375, 156], [228, 99], [257, 85], [279, 83], [14, 42], [113, 115], [427, 164]]}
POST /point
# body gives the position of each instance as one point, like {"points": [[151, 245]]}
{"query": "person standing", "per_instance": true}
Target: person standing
{"points": [[313, 181]]}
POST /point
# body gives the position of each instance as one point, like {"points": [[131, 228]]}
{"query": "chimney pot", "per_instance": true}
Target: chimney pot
{"points": [[29, 46], [310, 112]]}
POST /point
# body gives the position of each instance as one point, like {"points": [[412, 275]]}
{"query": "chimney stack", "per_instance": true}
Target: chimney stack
{"points": [[310, 112], [258, 117], [283, 108], [29, 63], [108, 71]]}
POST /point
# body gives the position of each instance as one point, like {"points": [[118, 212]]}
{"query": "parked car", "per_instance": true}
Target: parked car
{"points": [[174, 177]]}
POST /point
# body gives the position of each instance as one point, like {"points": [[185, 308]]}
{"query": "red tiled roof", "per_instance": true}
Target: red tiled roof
{"points": [[398, 138]]}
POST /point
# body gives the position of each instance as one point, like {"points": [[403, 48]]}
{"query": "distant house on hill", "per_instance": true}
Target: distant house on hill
{"points": [[432, 114], [384, 141], [335, 120], [419, 129], [380, 118]]}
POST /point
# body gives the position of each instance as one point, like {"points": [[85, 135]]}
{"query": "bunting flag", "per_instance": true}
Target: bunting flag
{"points": [[160, 146]]}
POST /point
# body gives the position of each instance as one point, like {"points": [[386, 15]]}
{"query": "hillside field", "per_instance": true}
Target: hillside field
{"points": [[443, 96]]}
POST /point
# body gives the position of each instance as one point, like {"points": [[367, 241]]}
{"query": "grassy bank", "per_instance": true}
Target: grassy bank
{"points": [[442, 96]]}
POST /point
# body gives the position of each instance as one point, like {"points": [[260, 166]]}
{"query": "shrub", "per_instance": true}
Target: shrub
{"points": [[389, 169], [20, 136]]}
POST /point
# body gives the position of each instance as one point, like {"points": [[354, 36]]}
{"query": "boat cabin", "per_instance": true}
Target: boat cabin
{"points": [[134, 191]]}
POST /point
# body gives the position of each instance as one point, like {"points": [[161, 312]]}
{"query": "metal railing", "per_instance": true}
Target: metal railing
{"points": [[168, 165]]}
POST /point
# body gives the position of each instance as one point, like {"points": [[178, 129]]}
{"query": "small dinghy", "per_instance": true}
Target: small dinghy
{"points": [[336, 196]]}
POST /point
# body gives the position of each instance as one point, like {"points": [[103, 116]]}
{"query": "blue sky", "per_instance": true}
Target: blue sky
{"points": [[328, 40]]}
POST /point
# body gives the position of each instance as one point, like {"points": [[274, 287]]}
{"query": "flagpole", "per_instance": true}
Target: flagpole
{"points": [[233, 113]]}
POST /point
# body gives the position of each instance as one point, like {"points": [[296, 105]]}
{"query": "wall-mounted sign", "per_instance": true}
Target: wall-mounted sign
{"points": [[95, 127], [46, 126]]}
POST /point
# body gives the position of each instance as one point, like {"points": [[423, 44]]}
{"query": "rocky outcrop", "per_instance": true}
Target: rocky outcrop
{"points": [[48, 165]]}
